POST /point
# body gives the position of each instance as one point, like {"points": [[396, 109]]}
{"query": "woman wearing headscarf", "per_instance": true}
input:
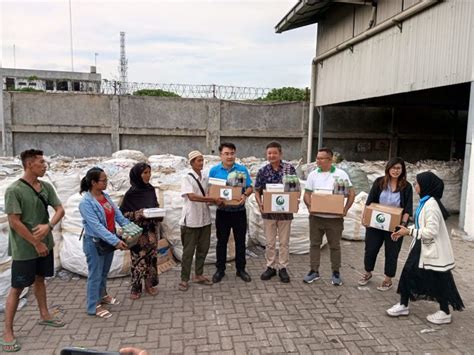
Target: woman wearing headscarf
{"points": [[427, 271], [99, 216], [392, 189], [144, 254]]}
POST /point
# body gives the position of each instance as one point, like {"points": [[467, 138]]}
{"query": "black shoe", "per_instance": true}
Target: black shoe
{"points": [[244, 275], [268, 274], [284, 277], [218, 276]]}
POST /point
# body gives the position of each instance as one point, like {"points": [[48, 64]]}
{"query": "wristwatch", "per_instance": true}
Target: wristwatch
{"points": [[51, 226]]}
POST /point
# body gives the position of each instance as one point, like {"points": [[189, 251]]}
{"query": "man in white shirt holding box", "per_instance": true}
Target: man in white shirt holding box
{"points": [[323, 178]]}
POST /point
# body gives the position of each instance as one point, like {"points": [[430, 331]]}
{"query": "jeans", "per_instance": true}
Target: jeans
{"points": [[98, 267]]}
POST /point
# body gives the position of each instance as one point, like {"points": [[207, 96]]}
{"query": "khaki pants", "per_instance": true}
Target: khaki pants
{"points": [[271, 229], [332, 227]]}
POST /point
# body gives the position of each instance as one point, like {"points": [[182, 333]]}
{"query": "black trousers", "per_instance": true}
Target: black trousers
{"points": [[374, 238], [225, 221]]}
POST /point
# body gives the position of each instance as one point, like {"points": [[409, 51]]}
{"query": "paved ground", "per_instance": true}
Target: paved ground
{"points": [[233, 317]]}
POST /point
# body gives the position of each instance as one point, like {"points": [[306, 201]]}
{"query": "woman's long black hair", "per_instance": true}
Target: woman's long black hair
{"points": [[91, 175]]}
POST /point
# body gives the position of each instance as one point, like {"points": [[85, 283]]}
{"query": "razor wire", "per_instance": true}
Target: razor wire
{"points": [[212, 91]]}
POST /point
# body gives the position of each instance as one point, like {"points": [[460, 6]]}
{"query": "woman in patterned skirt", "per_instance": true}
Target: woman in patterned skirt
{"points": [[144, 254]]}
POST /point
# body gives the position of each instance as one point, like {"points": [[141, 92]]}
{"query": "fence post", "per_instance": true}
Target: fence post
{"points": [[115, 122]]}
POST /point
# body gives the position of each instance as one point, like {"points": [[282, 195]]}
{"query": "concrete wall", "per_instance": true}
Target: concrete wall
{"points": [[88, 125], [92, 125]]}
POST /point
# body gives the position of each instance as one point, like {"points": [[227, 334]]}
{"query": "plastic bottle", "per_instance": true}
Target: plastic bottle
{"points": [[346, 187], [286, 183]]}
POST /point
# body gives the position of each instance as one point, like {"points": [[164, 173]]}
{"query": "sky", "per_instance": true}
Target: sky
{"points": [[219, 42]]}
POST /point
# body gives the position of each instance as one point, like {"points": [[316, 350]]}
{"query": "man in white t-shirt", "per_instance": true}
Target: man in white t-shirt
{"points": [[195, 221], [319, 224]]}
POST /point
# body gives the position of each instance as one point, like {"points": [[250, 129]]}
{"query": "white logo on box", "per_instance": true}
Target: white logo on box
{"points": [[226, 194], [380, 220], [280, 203]]}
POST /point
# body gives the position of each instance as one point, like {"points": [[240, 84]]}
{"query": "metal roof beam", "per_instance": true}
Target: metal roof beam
{"points": [[355, 2]]}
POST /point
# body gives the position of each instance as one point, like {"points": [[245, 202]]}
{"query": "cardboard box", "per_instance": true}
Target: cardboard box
{"points": [[166, 266], [165, 253], [327, 203], [280, 202], [382, 217], [230, 194]]}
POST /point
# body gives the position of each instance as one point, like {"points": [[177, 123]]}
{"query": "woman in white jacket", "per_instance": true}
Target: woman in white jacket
{"points": [[427, 271]]}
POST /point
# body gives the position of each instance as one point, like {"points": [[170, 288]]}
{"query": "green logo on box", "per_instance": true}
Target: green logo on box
{"points": [[280, 201], [380, 218]]}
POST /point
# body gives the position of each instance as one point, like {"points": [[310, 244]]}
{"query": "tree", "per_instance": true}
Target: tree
{"points": [[155, 92], [287, 94]]}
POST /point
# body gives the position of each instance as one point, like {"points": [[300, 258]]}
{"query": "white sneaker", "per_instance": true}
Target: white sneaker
{"points": [[398, 310], [439, 317]]}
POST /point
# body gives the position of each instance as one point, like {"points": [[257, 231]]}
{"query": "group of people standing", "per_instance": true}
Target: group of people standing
{"points": [[426, 274]]}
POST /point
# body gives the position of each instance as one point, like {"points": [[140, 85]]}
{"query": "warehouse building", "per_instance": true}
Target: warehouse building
{"points": [[410, 58]]}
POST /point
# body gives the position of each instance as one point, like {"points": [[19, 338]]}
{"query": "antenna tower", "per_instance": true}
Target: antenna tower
{"points": [[123, 69]]}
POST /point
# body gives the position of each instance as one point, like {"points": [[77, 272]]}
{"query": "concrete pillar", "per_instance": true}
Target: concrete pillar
{"points": [[6, 112], [304, 129], [466, 217], [115, 122], [2, 120], [213, 136]]}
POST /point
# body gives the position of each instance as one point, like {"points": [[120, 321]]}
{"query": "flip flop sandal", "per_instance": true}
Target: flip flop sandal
{"points": [[110, 300], [152, 291], [183, 286], [135, 296], [203, 281], [102, 313], [10, 346], [55, 323]]}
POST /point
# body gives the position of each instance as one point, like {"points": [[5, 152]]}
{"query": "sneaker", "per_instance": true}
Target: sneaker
{"points": [[284, 277], [364, 280], [336, 278], [385, 286], [268, 274], [439, 317], [398, 310], [312, 276]]}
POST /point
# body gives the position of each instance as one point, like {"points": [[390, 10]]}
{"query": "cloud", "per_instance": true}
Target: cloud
{"points": [[198, 42]]}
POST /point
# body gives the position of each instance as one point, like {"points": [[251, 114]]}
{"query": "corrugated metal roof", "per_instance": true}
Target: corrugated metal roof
{"points": [[434, 49], [307, 12]]}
